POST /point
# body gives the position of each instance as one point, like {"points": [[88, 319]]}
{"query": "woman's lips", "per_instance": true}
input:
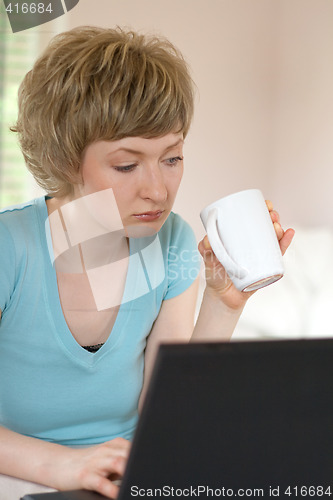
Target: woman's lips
{"points": [[149, 216]]}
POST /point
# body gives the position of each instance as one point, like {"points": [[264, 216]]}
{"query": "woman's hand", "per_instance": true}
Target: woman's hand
{"points": [[217, 280], [91, 468]]}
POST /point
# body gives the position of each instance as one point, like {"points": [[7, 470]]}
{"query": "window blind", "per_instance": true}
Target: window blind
{"points": [[17, 53]]}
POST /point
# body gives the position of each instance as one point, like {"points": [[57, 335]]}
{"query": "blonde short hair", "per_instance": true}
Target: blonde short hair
{"points": [[95, 84]]}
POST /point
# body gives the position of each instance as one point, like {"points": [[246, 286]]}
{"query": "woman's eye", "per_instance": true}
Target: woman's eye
{"points": [[126, 168], [173, 161]]}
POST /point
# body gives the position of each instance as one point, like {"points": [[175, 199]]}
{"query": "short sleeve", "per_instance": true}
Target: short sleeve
{"points": [[7, 266], [184, 259]]}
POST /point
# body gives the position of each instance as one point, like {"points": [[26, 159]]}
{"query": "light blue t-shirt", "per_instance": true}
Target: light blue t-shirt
{"points": [[51, 387]]}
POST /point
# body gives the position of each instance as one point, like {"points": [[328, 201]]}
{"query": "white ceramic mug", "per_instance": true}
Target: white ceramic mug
{"points": [[242, 236]]}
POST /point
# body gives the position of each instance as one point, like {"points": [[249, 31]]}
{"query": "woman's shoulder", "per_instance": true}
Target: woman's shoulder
{"points": [[179, 239], [20, 213], [183, 258], [21, 221]]}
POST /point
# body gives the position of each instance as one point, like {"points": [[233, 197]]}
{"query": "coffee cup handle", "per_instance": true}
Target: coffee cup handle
{"points": [[228, 263]]}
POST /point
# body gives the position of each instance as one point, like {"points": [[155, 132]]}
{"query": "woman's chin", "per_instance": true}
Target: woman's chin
{"points": [[141, 230]]}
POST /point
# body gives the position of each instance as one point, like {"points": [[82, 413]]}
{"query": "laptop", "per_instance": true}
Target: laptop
{"points": [[227, 419]]}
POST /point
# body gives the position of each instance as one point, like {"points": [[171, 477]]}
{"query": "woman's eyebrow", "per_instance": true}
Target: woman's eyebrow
{"points": [[180, 141], [134, 151]]}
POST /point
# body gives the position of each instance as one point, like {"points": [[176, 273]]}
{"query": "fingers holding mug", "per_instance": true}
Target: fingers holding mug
{"points": [[284, 237]]}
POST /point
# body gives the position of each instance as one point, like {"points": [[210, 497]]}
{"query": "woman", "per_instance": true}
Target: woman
{"points": [[92, 275]]}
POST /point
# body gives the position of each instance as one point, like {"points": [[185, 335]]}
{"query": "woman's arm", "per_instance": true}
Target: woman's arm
{"points": [[216, 321], [174, 323], [61, 467]]}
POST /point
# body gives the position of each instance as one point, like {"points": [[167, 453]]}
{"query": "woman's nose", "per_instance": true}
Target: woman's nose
{"points": [[153, 185]]}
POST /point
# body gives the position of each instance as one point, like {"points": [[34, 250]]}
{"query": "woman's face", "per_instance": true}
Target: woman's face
{"points": [[144, 175]]}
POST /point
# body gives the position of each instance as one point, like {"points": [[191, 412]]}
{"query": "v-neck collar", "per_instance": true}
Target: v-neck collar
{"points": [[61, 329]]}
